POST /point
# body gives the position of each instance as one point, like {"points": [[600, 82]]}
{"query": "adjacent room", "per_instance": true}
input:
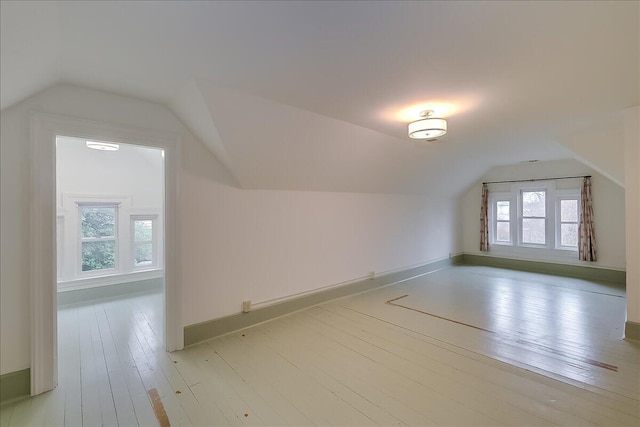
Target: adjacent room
{"points": [[320, 213], [109, 205]]}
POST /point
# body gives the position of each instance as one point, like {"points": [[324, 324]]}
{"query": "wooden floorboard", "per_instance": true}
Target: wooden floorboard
{"points": [[463, 346]]}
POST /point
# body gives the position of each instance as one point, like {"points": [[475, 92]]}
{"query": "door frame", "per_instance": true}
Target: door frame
{"points": [[43, 129]]}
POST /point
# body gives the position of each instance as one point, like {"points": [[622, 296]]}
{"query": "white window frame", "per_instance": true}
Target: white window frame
{"points": [[551, 251], [521, 217], [153, 241], [115, 238], [494, 198], [573, 194]]}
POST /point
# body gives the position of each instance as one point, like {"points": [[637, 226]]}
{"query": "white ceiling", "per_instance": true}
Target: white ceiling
{"points": [[316, 95]]}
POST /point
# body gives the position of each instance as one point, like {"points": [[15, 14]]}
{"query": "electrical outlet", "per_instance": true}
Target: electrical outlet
{"points": [[246, 306], [372, 275]]}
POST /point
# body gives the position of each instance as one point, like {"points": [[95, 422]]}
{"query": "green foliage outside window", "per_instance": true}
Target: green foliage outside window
{"points": [[98, 255], [98, 222]]}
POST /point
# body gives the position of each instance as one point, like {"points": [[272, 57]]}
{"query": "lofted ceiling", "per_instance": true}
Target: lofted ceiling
{"points": [[316, 95]]}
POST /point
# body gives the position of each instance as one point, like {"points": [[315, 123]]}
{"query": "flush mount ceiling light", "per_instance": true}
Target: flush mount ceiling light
{"points": [[103, 146], [428, 127]]}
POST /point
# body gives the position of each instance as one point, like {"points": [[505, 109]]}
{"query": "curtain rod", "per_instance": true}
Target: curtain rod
{"points": [[537, 179]]}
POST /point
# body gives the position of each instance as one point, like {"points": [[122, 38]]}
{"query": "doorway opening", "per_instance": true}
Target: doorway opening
{"points": [[44, 129], [110, 233]]}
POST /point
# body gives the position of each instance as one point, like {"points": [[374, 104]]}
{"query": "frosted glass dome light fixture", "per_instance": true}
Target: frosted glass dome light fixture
{"points": [[428, 127], [103, 146]]}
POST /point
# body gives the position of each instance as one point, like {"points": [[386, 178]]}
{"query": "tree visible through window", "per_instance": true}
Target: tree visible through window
{"points": [[569, 222], [534, 217], [98, 237], [503, 221], [143, 242]]}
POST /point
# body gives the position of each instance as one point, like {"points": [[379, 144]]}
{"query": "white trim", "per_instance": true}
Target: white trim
{"points": [[521, 217], [43, 131], [573, 194], [493, 199]]}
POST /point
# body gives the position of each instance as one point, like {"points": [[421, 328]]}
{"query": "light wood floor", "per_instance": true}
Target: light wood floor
{"points": [[463, 346]]}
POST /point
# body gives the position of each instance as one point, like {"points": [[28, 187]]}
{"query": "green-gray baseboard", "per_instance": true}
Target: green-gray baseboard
{"points": [[109, 291], [632, 330], [576, 271], [15, 385], [198, 332]]}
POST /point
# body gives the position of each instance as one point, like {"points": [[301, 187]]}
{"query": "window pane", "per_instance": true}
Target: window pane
{"points": [[98, 221], [569, 210], [503, 232], [143, 230], [502, 209], [533, 231], [143, 254], [533, 203], [569, 235], [98, 255]]}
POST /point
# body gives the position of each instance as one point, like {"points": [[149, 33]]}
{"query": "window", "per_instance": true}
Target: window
{"points": [[503, 221], [98, 237], [532, 218], [144, 241], [567, 230], [534, 221]]}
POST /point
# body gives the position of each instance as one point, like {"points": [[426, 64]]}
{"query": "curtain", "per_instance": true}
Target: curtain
{"points": [[586, 232], [484, 219]]}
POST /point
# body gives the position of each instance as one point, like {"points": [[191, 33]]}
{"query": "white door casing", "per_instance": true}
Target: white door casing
{"points": [[43, 131]]}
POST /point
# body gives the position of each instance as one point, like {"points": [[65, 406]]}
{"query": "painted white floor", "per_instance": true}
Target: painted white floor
{"points": [[463, 346]]}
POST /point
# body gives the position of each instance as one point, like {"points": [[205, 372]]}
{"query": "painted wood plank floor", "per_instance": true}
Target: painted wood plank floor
{"points": [[463, 346]]}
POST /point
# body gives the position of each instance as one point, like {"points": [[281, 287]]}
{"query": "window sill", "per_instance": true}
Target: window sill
{"points": [[534, 253], [111, 279]]}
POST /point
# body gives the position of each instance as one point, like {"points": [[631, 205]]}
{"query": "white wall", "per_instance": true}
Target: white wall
{"points": [[236, 244], [133, 170], [608, 210], [262, 245], [632, 198], [133, 174]]}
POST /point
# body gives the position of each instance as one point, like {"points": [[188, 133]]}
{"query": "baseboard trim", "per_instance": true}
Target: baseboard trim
{"points": [[199, 332], [15, 385], [632, 330], [577, 271], [100, 292]]}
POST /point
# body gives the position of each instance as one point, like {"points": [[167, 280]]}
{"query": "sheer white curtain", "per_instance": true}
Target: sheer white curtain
{"points": [[587, 249]]}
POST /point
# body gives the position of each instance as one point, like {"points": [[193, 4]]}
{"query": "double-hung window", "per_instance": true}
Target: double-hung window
{"points": [[98, 237], [533, 224], [533, 218], [567, 214], [144, 230], [501, 217]]}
